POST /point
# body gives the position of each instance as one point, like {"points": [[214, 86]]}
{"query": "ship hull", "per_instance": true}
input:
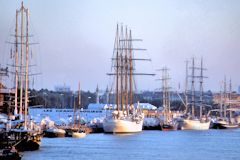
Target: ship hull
{"points": [[223, 125], [78, 134], [217, 125], [195, 125], [122, 126], [52, 133], [168, 127]]}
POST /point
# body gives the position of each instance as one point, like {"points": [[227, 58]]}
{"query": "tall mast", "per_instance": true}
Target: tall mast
{"points": [[221, 102], [79, 96], [79, 102], [163, 92], [131, 69], [117, 67], [166, 94], [230, 97], [126, 72], [225, 96], [230, 92], [74, 111], [16, 66], [193, 88], [26, 72], [186, 88], [201, 88], [21, 66], [122, 68]]}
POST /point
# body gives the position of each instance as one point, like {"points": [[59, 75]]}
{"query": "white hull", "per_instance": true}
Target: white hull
{"points": [[195, 125], [78, 135], [122, 126]]}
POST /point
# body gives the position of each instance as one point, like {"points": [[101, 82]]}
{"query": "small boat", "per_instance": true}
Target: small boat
{"points": [[77, 131], [79, 134], [168, 127], [10, 154], [54, 132], [223, 124], [28, 135]]}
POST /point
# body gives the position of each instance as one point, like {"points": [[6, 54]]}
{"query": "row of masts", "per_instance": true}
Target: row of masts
{"points": [[124, 69], [22, 16], [123, 59], [192, 92], [75, 108], [225, 97], [166, 94]]}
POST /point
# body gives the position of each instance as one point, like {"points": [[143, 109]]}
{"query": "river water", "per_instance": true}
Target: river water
{"points": [[149, 145]]}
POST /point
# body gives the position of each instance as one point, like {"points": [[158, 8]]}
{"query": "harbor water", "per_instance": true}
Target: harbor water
{"points": [[159, 145]]}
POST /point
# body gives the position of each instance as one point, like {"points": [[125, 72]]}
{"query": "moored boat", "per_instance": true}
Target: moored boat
{"points": [[123, 124], [125, 118], [195, 124], [54, 132], [79, 134]]}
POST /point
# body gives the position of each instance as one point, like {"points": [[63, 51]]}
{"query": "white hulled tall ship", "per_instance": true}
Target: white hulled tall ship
{"points": [[193, 122], [126, 118]]}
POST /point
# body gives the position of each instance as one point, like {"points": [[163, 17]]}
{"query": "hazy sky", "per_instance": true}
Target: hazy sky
{"points": [[76, 38]]}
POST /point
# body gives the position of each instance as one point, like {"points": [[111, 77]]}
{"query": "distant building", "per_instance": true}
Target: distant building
{"points": [[234, 101], [62, 88], [5, 100]]}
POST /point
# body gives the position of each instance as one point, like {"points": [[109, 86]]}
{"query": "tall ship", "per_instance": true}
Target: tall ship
{"points": [[226, 111], [125, 118], [193, 121], [167, 122], [20, 127]]}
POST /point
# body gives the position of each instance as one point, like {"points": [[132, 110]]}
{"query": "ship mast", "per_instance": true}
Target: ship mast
{"points": [[126, 72], [16, 66], [221, 102], [130, 69], [122, 68], [123, 58], [230, 97], [117, 67], [201, 89], [79, 102], [26, 71], [186, 88], [193, 88], [225, 96], [21, 66], [165, 93]]}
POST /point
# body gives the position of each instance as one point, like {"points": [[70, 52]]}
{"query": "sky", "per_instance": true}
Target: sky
{"points": [[76, 39]]}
